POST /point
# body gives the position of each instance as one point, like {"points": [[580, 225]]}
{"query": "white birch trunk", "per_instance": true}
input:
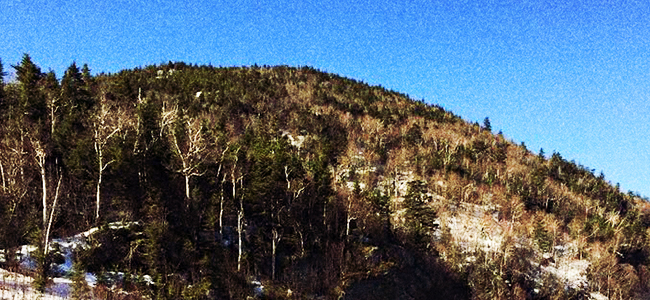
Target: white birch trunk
{"points": [[239, 245], [44, 187], [99, 182], [276, 239], [4, 182], [349, 217], [187, 187], [223, 180], [221, 207], [22, 152], [240, 215], [46, 249], [240, 223], [105, 129]]}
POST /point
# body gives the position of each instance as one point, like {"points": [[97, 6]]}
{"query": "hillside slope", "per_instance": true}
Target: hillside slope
{"points": [[310, 184]]}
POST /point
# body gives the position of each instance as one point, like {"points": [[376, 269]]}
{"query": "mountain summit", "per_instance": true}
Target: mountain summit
{"points": [[291, 183]]}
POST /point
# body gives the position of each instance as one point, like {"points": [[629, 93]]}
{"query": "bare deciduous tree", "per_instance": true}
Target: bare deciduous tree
{"points": [[190, 149], [107, 123], [240, 213], [40, 157], [12, 164]]}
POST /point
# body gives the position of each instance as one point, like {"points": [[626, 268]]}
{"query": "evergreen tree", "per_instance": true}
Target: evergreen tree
{"points": [[85, 75], [80, 288], [421, 216], [76, 97], [31, 100], [486, 124], [73, 128]]}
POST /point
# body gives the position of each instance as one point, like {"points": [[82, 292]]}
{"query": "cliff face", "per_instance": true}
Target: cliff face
{"points": [[317, 185]]}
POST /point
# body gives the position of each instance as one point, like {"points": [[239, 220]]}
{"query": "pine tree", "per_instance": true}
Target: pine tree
{"points": [[31, 100], [421, 216], [486, 124], [76, 97], [85, 75], [80, 288]]}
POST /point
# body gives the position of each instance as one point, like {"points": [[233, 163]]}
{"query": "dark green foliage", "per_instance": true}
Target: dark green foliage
{"points": [[598, 228], [543, 237], [114, 247], [80, 288], [42, 262], [486, 124], [75, 94], [292, 196], [420, 215], [534, 193], [583, 181], [32, 101]]}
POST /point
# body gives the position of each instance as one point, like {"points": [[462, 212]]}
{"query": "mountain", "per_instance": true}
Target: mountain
{"points": [[291, 183]]}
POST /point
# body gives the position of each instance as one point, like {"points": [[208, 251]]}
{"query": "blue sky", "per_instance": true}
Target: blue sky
{"points": [[567, 76]]}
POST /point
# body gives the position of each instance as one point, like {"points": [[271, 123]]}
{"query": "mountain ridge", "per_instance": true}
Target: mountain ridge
{"points": [[290, 175]]}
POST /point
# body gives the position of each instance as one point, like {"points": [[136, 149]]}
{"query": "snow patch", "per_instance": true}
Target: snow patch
{"points": [[18, 286], [474, 228], [297, 141], [572, 274], [350, 185], [598, 296]]}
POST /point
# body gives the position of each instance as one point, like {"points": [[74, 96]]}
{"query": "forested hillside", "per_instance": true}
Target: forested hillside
{"points": [[290, 183]]}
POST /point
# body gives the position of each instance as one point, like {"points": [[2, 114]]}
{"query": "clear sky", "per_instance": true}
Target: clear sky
{"points": [[563, 75]]}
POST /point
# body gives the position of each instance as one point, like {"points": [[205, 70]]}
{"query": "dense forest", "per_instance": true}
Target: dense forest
{"points": [[202, 182]]}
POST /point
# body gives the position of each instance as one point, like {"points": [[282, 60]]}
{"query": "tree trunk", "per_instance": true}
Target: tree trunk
{"points": [[99, 184], [187, 187], [239, 245], [221, 208], [240, 216], [44, 183], [49, 222], [325, 214], [22, 152], [349, 217], [2, 170], [223, 180], [275, 240], [302, 242]]}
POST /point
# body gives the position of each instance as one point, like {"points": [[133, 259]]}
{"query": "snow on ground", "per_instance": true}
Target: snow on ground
{"points": [[17, 286], [65, 246], [14, 286], [572, 273], [474, 227], [598, 296]]}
